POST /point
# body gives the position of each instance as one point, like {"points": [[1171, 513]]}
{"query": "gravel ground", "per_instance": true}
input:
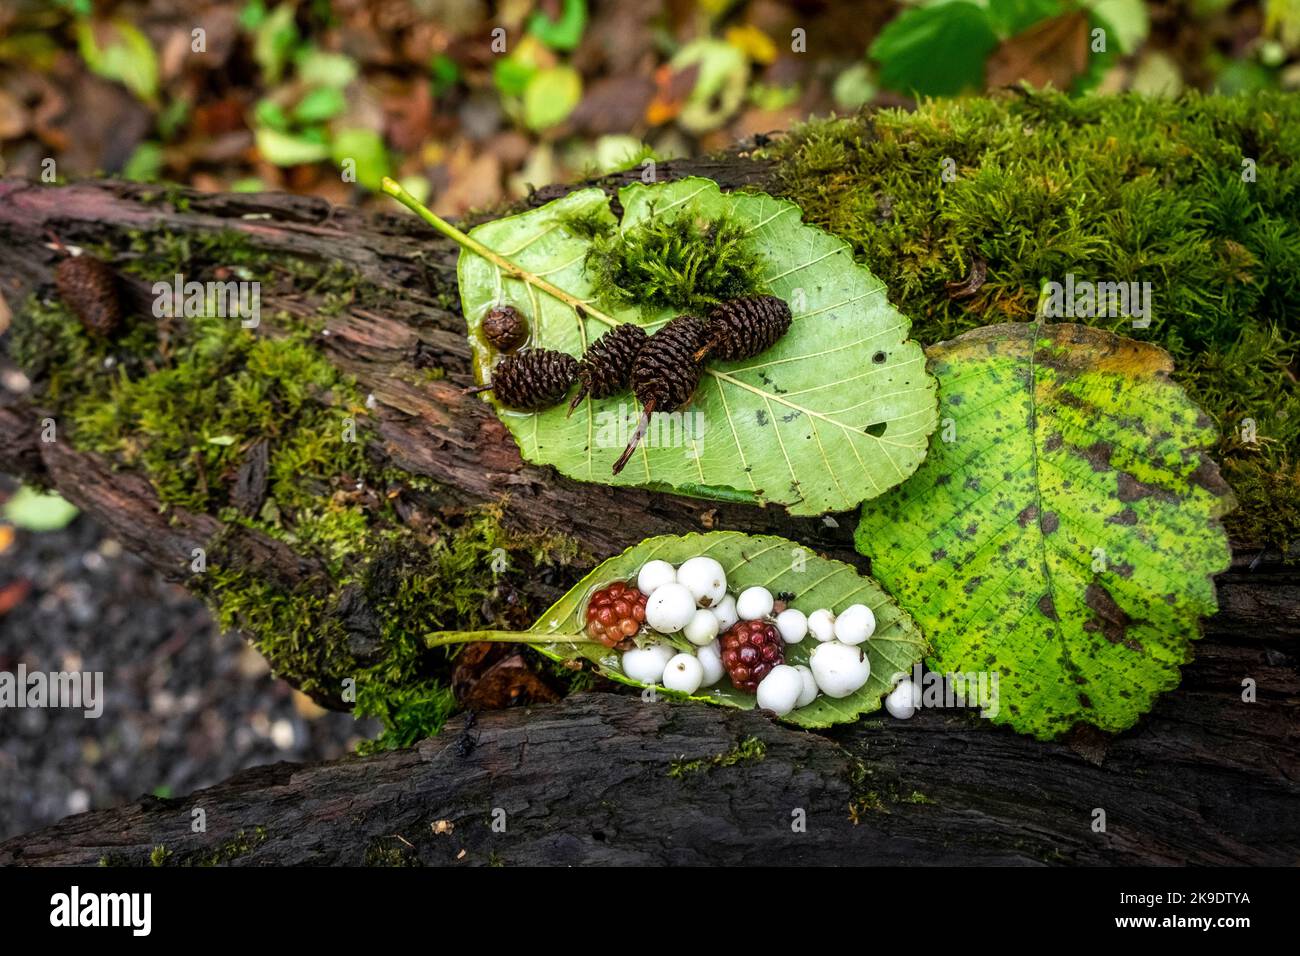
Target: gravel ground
{"points": [[185, 705]]}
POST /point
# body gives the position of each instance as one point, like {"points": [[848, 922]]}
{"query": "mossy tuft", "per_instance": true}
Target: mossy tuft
{"points": [[686, 262]]}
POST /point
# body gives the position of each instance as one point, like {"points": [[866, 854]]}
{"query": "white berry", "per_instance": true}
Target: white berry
{"points": [[654, 575], [705, 579], [855, 624], [821, 623], [838, 668], [903, 700], [710, 659], [684, 673], [702, 628], [754, 604], [726, 614], [793, 625], [779, 691], [647, 664], [809, 692], [670, 608]]}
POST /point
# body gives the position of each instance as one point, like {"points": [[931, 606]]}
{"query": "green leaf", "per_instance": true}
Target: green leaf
{"points": [[564, 33], [1009, 17], [333, 70], [1066, 532], [274, 38], [283, 149], [366, 148], [755, 560], [550, 96], [35, 511], [118, 51], [935, 51], [719, 86], [836, 412], [320, 104]]}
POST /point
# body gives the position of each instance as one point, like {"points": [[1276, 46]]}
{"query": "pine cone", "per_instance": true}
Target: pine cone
{"points": [[665, 374], [607, 366], [505, 328], [89, 288], [532, 379], [742, 328]]}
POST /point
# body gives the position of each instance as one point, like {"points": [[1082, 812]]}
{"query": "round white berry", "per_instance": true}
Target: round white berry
{"points": [[705, 579], [710, 659], [654, 575], [809, 692], [684, 673], [647, 664], [754, 604], [793, 625], [838, 668], [702, 628], [726, 614], [903, 700], [821, 623], [779, 691], [670, 608], [854, 624]]}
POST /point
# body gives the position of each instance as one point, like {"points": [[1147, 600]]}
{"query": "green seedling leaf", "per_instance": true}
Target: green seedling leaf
{"points": [[33, 510], [284, 149], [563, 33], [774, 563], [118, 51], [1064, 530], [550, 96], [321, 104], [838, 411], [366, 148]]}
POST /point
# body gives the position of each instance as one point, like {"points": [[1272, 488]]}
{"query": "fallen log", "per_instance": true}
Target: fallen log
{"points": [[1207, 777]]}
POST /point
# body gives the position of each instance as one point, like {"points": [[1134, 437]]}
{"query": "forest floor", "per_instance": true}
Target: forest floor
{"points": [[186, 705]]}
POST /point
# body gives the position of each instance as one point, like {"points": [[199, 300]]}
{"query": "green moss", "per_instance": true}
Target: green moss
{"points": [[684, 262], [1119, 188], [386, 851], [184, 402], [749, 750], [159, 856]]}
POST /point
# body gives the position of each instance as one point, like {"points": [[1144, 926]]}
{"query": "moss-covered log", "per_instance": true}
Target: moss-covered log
{"points": [[224, 456]]}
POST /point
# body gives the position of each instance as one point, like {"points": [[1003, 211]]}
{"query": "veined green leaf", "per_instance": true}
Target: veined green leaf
{"points": [[774, 563], [1064, 530], [838, 411]]}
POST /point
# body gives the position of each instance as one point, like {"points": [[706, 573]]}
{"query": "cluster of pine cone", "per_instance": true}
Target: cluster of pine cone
{"points": [[662, 370]]}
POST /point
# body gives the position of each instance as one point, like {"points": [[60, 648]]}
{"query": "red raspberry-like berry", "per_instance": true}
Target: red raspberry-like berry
{"points": [[750, 649], [615, 613]]}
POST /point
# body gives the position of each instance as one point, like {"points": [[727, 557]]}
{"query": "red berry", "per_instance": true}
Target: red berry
{"points": [[750, 649], [615, 613]]}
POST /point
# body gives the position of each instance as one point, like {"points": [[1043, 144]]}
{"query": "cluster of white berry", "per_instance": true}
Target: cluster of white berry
{"points": [[744, 636]]}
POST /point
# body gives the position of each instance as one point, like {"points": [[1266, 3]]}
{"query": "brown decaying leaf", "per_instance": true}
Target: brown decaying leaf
{"points": [[1052, 52]]}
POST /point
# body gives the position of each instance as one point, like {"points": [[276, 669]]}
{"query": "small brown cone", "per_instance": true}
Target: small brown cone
{"points": [[742, 328], [665, 374], [531, 380], [607, 365], [90, 289]]}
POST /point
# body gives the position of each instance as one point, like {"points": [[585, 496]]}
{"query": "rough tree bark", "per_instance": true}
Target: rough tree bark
{"points": [[1205, 778]]}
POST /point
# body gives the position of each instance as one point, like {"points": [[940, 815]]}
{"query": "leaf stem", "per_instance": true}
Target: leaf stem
{"points": [[394, 189], [447, 638]]}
